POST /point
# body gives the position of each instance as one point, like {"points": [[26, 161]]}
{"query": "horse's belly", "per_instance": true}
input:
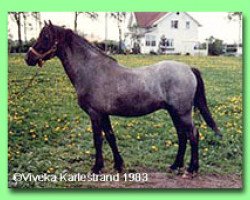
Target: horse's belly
{"points": [[136, 107], [133, 112]]}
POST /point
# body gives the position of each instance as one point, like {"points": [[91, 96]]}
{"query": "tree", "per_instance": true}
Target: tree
{"points": [[233, 15], [163, 44], [236, 16], [25, 16], [21, 19], [17, 17], [215, 46], [120, 17], [37, 17], [92, 15]]}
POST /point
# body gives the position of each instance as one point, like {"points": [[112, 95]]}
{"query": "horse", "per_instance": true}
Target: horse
{"points": [[104, 88]]}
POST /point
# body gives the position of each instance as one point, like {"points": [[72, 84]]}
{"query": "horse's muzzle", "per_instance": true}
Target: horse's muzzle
{"points": [[29, 60]]}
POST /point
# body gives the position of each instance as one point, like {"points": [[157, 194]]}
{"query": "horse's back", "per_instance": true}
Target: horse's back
{"points": [[172, 81]]}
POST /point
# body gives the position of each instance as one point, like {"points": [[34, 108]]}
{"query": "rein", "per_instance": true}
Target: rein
{"points": [[41, 56]]}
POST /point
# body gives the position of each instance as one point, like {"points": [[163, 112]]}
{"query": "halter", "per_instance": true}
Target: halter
{"points": [[41, 56]]}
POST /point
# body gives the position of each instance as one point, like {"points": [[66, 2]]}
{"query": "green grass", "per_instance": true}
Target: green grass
{"points": [[49, 133]]}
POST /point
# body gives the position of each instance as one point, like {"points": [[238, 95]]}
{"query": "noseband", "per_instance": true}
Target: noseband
{"points": [[41, 56]]}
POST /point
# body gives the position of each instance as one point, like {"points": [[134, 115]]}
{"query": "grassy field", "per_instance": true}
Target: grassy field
{"points": [[49, 133]]}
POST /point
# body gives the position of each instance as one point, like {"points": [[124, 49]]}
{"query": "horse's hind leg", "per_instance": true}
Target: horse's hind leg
{"points": [[194, 162], [186, 130], [109, 134], [182, 141], [179, 160]]}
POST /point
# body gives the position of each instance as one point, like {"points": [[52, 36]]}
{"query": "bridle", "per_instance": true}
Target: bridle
{"points": [[41, 56]]}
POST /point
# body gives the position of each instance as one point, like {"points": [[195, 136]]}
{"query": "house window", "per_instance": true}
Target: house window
{"points": [[187, 24], [150, 40], [174, 24], [169, 43]]}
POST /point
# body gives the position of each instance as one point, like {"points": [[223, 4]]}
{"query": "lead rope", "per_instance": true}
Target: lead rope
{"points": [[18, 94]]}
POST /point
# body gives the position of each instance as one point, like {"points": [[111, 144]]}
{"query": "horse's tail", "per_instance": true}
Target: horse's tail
{"points": [[200, 102]]}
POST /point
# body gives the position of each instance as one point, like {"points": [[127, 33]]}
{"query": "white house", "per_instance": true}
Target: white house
{"points": [[179, 30]]}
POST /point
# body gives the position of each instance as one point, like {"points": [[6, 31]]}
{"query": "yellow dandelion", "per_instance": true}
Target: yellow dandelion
{"points": [[88, 129], [154, 148], [138, 137], [57, 128], [46, 138], [51, 170], [129, 125], [201, 137], [229, 124], [203, 125], [65, 128], [87, 152], [128, 136], [168, 143], [157, 126]]}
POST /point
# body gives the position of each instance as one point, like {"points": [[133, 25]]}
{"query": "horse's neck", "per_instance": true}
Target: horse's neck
{"points": [[79, 64]]}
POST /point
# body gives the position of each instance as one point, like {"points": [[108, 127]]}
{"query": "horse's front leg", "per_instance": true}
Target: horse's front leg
{"points": [[98, 140], [110, 136]]}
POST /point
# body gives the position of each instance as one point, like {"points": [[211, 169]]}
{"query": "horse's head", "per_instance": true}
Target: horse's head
{"points": [[44, 48]]}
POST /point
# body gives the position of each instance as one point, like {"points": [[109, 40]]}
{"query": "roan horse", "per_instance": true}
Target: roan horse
{"points": [[104, 88]]}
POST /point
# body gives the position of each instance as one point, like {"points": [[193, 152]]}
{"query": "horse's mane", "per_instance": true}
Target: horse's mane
{"points": [[84, 42]]}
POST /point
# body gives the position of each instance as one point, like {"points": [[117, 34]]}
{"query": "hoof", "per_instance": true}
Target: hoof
{"points": [[189, 175], [119, 169], [181, 170], [119, 165], [177, 171], [171, 171], [96, 170]]}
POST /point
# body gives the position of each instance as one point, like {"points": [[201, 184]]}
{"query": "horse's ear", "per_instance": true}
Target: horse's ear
{"points": [[50, 23], [45, 23]]}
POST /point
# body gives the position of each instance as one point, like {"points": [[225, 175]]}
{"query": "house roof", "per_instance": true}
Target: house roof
{"points": [[147, 19]]}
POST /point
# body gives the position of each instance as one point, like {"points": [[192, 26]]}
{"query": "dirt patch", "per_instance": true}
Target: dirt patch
{"points": [[160, 180], [163, 180]]}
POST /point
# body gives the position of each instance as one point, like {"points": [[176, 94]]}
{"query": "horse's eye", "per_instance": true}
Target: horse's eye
{"points": [[46, 37]]}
